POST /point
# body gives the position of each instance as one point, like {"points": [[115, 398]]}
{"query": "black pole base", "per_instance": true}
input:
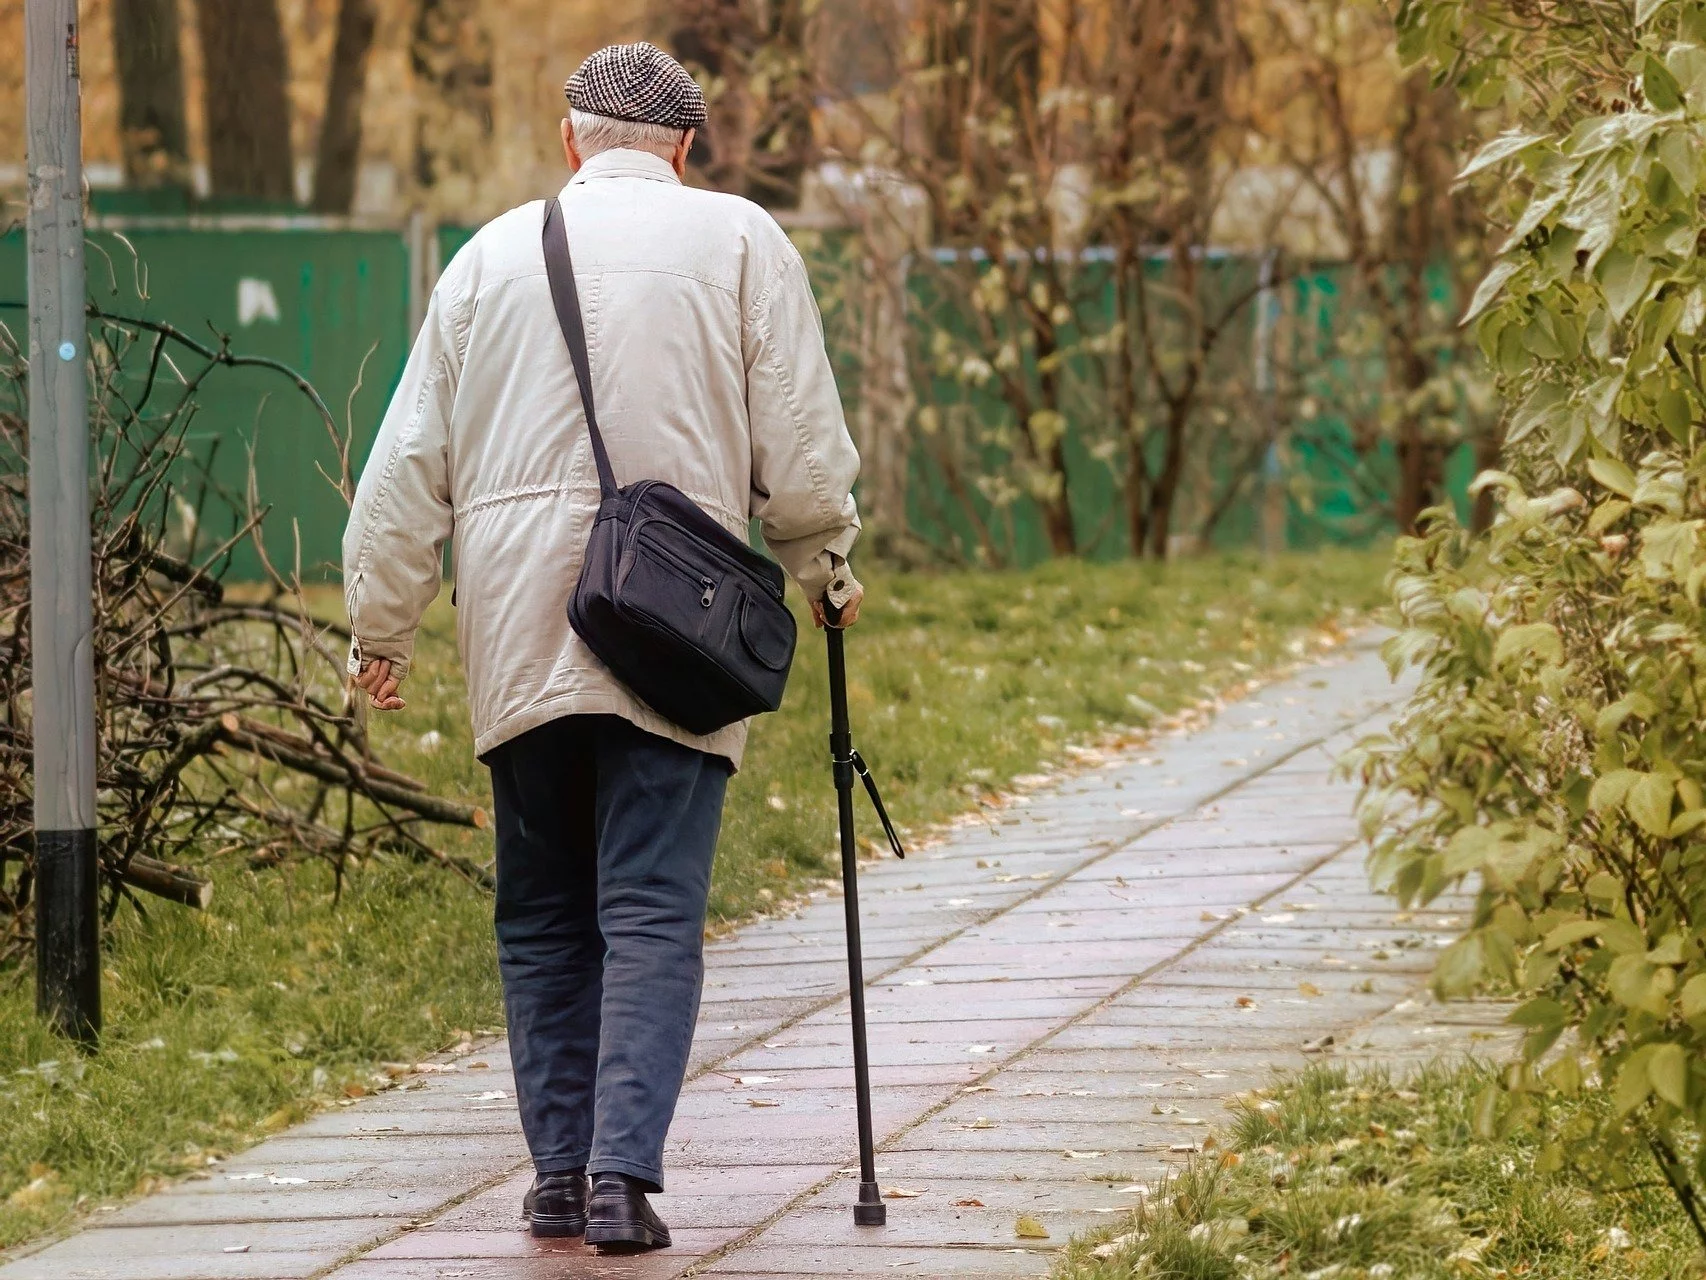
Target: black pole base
{"points": [[870, 1211], [68, 934]]}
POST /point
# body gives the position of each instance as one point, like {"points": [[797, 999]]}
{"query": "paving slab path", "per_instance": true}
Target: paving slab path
{"points": [[1060, 1000]]}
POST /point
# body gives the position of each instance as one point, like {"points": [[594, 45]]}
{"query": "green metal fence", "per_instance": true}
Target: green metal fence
{"points": [[331, 301], [339, 302]]}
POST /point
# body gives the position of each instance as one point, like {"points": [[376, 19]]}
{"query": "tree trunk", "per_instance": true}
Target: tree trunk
{"points": [[339, 158], [1136, 500], [245, 82], [152, 130], [1166, 489], [450, 52], [1057, 503]]}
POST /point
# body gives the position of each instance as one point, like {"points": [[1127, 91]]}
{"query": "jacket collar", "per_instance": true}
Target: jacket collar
{"points": [[621, 162]]}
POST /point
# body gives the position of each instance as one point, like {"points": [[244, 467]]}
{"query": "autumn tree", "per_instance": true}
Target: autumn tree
{"points": [[153, 135], [1071, 156], [339, 156], [752, 58], [450, 53], [245, 91], [1367, 152]]}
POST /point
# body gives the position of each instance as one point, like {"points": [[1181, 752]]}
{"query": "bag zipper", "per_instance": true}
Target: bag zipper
{"points": [[728, 562]]}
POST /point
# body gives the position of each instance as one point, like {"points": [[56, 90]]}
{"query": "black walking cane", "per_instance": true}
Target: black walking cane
{"points": [[870, 1211]]}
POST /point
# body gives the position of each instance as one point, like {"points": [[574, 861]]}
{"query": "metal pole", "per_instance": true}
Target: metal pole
{"points": [[870, 1211], [1272, 523], [68, 971]]}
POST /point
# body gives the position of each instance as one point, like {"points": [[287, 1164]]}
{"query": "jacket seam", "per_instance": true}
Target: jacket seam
{"points": [[382, 491], [802, 437], [568, 488]]}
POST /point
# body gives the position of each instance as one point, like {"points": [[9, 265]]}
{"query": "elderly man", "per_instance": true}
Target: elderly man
{"points": [[709, 372]]}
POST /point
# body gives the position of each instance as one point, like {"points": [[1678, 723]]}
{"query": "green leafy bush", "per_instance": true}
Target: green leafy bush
{"points": [[1557, 743]]}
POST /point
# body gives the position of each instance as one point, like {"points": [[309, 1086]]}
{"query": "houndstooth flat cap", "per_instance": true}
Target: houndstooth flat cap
{"points": [[638, 82]]}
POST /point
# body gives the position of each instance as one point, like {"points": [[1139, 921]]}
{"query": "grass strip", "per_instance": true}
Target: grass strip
{"points": [[1332, 1176], [224, 1026]]}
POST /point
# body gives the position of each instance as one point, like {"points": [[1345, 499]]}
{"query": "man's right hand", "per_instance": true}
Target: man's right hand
{"points": [[380, 685]]}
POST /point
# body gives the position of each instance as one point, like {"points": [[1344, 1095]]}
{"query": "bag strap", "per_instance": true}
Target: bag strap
{"points": [[560, 270]]}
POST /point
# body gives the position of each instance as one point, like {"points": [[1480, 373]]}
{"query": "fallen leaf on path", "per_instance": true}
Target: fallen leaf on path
{"points": [[982, 1122], [762, 1102], [1245, 1002], [978, 1088], [1308, 989], [1211, 917], [900, 1193], [1029, 1227], [970, 1202]]}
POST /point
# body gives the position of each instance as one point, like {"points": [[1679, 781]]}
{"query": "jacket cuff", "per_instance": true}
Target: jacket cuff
{"points": [[362, 652]]}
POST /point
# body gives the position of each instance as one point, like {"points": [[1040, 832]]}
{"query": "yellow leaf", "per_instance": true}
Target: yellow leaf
{"points": [[1649, 801], [1028, 1227], [1613, 474], [1538, 638], [1668, 1070], [1694, 996]]}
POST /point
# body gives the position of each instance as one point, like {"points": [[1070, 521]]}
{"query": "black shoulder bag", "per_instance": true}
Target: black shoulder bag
{"points": [[687, 615]]}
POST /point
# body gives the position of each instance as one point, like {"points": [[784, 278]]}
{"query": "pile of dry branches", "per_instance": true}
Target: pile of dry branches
{"points": [[225, 724]]}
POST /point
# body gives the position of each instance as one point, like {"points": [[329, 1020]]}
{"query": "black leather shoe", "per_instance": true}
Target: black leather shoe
{"points": [[619, 1219], [555, 1205]]}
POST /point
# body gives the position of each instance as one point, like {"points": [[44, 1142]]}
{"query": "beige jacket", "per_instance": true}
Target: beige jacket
{"points": [[709, 371]]}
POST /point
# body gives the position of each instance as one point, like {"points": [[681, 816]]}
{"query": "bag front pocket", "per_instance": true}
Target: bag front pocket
{"points": [[768, 632]]}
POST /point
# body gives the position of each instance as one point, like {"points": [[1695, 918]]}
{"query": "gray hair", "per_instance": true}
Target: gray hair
{"points": [[606, 133]]}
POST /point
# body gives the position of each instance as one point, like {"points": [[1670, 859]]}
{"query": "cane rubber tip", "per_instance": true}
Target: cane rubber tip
{"points": [[870, 1211]]}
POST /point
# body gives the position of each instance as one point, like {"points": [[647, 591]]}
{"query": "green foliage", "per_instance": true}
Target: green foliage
{"points": [[1360, 1178], [1556, 747]]}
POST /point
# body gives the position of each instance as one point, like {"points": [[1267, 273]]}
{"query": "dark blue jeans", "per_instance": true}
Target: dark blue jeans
{"points": [[604, 841]]}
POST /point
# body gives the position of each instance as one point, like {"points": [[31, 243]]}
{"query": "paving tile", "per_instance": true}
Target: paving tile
{"points": [[577, 1263], [822, 1260]]}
